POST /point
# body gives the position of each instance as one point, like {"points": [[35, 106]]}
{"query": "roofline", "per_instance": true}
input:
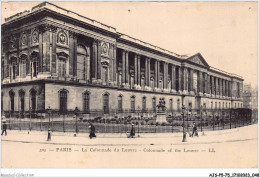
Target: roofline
{"points": [[61, 11]]}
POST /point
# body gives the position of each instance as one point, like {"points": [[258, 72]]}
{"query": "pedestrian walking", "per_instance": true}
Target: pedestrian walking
{"points": [[194, 130], [92, 131], [132, 132], [4, 129]]}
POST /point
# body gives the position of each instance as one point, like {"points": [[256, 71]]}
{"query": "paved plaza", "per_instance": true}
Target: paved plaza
{"points": [[238, 146]]}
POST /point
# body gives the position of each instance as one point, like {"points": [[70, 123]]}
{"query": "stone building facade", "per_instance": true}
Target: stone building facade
{"points": [[57, 58]]}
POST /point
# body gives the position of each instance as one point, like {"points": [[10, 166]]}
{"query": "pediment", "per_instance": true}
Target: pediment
{"points": [[198, 59]]}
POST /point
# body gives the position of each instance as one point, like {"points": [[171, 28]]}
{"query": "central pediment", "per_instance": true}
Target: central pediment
{"points": [[198, 59]]}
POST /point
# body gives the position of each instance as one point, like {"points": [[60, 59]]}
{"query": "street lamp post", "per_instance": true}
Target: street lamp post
{"points": [[184, 133], [49, 130], [201, 111], [76, 111]]}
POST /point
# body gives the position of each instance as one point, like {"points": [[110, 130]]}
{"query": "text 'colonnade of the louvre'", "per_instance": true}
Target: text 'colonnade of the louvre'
{"points": [[56, 58]]}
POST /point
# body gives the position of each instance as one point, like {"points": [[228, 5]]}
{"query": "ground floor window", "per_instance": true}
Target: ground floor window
{"points": [[11, 94], [21, 95], [106, 103], [132, 103], [120, 103], [86, 97], [144, 104], [63, 100], [33, 100]]}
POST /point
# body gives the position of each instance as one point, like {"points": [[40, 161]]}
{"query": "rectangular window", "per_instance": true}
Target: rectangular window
{"points": [[120, 104], [34, 69], [23, 69], [132, 104], [154, 104], [62, 68], [81, 67], [144, 104]]}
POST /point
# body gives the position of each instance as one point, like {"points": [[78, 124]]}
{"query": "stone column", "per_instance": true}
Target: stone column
{"points": [[173, 78], [126, 69], [205, 83], [224, 87], [209, 86], [185, 79], [181, 79], [148, 72], [217, 87], [191, 81], [136, 70], [139, 70], [156, 74], [123, 67], [213, 93], [165, 76], [201, 82], [220, 87]]}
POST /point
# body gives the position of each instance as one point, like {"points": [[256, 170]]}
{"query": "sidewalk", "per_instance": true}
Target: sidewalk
{"points": [[112, 139]]}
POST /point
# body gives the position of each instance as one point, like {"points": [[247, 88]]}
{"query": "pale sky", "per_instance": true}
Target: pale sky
{"points": [[225, 33]]}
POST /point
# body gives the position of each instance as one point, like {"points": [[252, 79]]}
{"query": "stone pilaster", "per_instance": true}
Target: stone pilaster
{"points": [[99, 62], [94, 62], [54, 39], [115, 65]]}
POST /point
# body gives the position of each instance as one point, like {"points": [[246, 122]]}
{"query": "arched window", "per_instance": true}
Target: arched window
{"points": [[81, 62], [216, 106], [226, 106], [23, 60], [132, 103], [235, 105], [63, 94], [62, 64], [34, 64], [219, 104], [106, 103], [120, 103], [11, 94], [33, 99], [211, 104], [154, 104], [86, 97], [144, 104], [21, 96], [14, 69]]}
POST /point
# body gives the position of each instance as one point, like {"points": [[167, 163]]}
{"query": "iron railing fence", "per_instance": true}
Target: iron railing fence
{"points": [[120, 122]]}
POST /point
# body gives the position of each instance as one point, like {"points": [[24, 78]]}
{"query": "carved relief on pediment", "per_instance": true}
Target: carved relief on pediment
{"points": [[197, 60]]}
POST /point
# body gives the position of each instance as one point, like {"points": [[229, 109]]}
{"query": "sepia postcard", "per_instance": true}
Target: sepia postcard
{"points": [[129, 85]]}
